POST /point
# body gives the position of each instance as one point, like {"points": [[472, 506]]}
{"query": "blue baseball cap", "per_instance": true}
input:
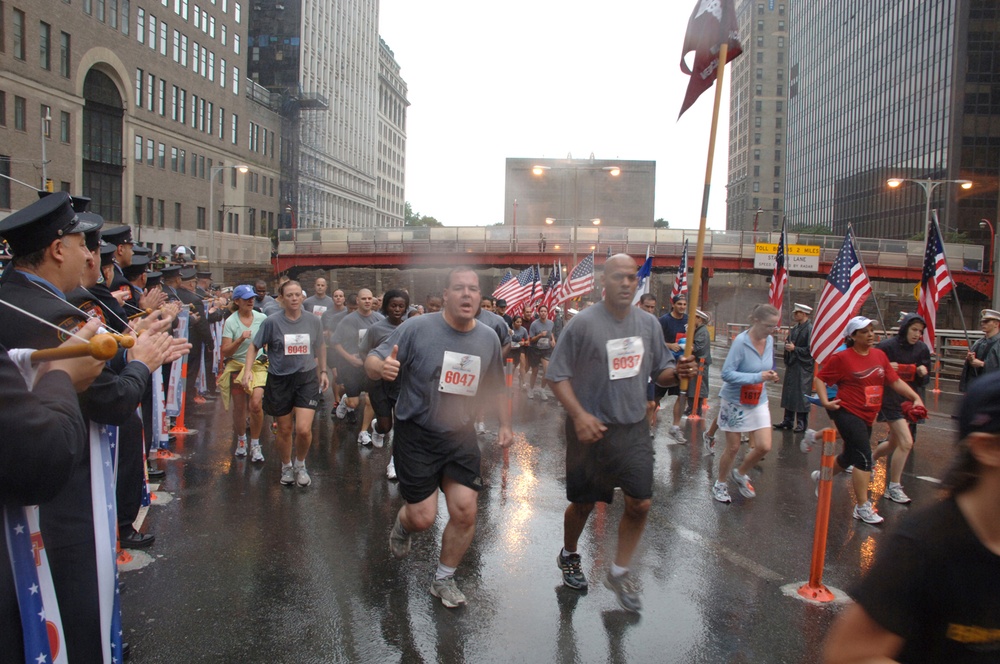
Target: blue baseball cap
{"points": [[243, 292]]}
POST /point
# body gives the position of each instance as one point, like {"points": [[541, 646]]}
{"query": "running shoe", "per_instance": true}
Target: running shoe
{"points": [[572, 572], [531, 393], [849, 470], [815, 475], [378, 439], [481, 428], [896, 494], [302, 476], [721, 492], [241, 448], [364, 438], [707, 444], [808, 440], [625, 590], [744, 483], [287, 475], [255, 454], [543, 394], [447, 591], [390, 470], [399, 543], [677, 434], [867, 513], [341, 411]]}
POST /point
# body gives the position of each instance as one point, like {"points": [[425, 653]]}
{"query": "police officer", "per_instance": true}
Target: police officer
{"points": [[798, 371]]}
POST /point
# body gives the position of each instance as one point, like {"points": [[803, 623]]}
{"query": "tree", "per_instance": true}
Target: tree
{"points": [[411, 218], [661, 223], [805, 229]]}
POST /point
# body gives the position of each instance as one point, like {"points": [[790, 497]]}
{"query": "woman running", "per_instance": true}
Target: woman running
{"points": [[237, 332], [743, 407], [540, 335], [297, 376], [519, 349], [382, 395], [861, 373]]}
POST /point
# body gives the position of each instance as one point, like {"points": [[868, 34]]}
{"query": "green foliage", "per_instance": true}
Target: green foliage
{"points": [[949, 237], [661, 223], [804, 229], [411, 218]]}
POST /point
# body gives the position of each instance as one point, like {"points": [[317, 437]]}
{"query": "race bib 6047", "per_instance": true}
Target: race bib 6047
{"points": [[460, 374]]}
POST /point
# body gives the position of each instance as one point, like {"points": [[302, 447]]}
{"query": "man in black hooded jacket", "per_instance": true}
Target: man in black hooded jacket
{"points": [[911, 358]]}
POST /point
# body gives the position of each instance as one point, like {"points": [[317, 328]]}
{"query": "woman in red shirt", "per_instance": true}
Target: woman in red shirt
{"points": [[861, 373]]}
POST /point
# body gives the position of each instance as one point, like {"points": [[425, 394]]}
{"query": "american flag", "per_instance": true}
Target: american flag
{"points": [[845, 291], [552, 286], [509, 288], [503, 282], [580, 281], [522, 289], [935, 283], [776, 292], [681, 282]]}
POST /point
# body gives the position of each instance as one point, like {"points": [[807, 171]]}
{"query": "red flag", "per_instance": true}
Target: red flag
{"points": [[711, 23], [780, 277], [935, 283], [845, 291]]}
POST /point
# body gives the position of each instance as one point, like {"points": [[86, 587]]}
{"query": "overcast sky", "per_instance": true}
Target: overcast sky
{"points": [[543, 78]]}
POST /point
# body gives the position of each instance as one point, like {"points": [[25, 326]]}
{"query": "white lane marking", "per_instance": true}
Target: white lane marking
{"points": [[928, 479], [730, 555]]}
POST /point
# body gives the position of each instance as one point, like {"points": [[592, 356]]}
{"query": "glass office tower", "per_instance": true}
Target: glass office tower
{"points": [[893, 89]]}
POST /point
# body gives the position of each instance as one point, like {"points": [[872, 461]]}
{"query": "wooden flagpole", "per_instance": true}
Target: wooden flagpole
{"points": [[699, 254]]}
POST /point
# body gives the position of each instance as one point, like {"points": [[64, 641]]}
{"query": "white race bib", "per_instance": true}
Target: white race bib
{"points": [[624, 357], [297, 344], [544, 343], [361, 337], [318, 310], [460, 374]]}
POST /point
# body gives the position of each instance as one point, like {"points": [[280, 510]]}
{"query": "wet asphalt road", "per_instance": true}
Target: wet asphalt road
{"points": [[246, 570]]}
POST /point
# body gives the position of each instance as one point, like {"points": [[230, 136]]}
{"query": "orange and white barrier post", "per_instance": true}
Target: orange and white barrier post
{"points": [[814, 588], [937, 377]]}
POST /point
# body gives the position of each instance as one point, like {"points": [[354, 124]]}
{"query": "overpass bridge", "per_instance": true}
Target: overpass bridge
{"points": [[506, 247]]}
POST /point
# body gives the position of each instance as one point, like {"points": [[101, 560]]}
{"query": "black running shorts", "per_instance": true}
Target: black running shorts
{"points": [[856, 434], [283, 393], [424, 458], [622, 458]]}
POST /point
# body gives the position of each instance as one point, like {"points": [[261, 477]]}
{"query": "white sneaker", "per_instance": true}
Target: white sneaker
{"points": [[287, 475], [677, 434], [481, 428], [867, 513], [342, 409], [707, 444], [896, 494], [531, 393], [543, 394], [241, 448], [378, 439], [721, 492], [364, 438], [390, 470], [849, 470], [744, 483], [302, 476], [815, 475], [808, 440], [255, 454]]}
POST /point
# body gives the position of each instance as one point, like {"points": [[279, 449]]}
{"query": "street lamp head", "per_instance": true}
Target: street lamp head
{"points": [[596, 222], [243, 168], [894, 182], [539, 170], [549, 220], [983, 223], [965, 184], [613, 171]]}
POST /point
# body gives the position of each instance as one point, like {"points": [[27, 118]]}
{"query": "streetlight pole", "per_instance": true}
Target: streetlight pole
{"points": [[756, 216], [242, 168], [928, 186], [985, 223]]}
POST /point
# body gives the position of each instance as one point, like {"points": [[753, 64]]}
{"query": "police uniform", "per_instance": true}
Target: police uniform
{"points": [[198, 330]]}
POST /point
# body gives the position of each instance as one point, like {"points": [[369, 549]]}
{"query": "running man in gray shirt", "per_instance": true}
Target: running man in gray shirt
{"points": [[446, 363], [319, 303], [346, 341], [599, 371]]}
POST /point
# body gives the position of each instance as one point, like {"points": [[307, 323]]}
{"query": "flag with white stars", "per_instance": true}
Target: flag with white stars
{"points": [[847, 287], [103, 464], [935, 282], [36, 596]]}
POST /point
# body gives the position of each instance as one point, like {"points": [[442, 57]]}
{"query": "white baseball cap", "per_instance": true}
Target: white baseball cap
{"points": [[855, 324]]}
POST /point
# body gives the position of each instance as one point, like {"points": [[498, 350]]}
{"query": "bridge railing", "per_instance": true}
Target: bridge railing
{"points": [[566, 241]]}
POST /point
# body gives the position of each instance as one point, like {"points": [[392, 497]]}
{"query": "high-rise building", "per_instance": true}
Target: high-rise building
{"points": [[144, 106], [757, 112], [392, 105], [883, 90], [323, 59]]}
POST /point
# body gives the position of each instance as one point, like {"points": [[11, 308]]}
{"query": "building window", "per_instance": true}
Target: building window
{"points": [[150, 151], [139, 77], [781, 42], [184, 51], [778, 122], [211, 66], [237, 12], [44, 45], [781, 57], [758, 106], [183, 106], [113, 14], [140, 25], [780, 90], [781, 10], [137, 156], [222, 122], [760, 74], [756, 171], [756, 121], [756, 186], [236, 44], [201, 218], [781, 26], [756, 155], [779, 106], [777, 155], [138, 211], [758, 90], [18, 34], [161, 213], [177, 46], [777, 188], [760, 57], [177, 216], [162, 98], [760, 26], [781, 74], [760, 9], [3, 108], [163, 38], [100, 10], [756, 139], [236, 124], [150, 91], [64, 54], [777, 171], [183, 160], [152, 32], [173, 104], [760, 42], [775, 204], [149, 210], [173, 159], [777, 139], [161, 155], [222, 72], [223, 32], [64, 131], [126, 9], [236, 81], [20, 113]]}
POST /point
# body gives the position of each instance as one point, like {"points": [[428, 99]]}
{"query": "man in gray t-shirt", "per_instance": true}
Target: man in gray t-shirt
{"points": [[445, 363], [599, 371], [319, 303], [346, 342]]}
